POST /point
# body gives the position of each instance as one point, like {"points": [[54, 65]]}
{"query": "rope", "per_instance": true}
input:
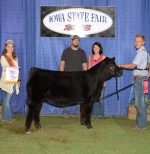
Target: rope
{"points": [[118, 91], [117, 88]]}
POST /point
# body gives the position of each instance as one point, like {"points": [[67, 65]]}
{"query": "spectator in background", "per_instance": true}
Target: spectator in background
{"points": [[96, 57], [73, 59]]}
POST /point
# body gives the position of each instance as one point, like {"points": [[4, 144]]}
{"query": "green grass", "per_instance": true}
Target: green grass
{"points": [[66, 136]]}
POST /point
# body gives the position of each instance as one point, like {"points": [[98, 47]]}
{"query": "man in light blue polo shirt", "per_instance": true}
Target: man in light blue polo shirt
{"points": [[140, 65]]}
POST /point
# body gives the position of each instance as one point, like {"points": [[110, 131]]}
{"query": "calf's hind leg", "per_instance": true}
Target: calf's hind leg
{"points": [[82, 114], [36, 116], [88, 110], [29, 118]]}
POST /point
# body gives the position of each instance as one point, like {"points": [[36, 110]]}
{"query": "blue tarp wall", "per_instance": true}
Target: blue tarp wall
{"points": [[20, 21]]}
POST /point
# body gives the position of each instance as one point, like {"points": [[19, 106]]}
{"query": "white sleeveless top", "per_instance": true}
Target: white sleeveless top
{"points": [[3, 85]]}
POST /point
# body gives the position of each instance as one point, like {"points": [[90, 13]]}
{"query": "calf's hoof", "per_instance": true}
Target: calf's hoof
{"points": [[28, 132], [82, 123], [89, 126], [38, 126]]}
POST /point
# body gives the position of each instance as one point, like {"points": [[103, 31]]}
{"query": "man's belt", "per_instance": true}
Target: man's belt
{"points": [[140, 69], [138, 76]]}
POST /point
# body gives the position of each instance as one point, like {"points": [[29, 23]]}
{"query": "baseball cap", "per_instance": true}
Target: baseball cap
{"points": [[75, 37]]}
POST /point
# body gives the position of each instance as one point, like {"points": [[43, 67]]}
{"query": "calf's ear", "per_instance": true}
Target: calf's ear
{"points": [[113, 58]]}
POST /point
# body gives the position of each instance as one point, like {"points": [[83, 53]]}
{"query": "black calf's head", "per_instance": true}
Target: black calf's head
{"points": [[112, 69]]}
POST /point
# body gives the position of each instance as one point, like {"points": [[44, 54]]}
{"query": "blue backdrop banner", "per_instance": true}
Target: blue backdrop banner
{"points": [[20, 21]]}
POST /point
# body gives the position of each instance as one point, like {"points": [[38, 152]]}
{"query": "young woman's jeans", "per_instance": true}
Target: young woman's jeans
{"points": [[6, 110], [141, 118], [98, 107]]}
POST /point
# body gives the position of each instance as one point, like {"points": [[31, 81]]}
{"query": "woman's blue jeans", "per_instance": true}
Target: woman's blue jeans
{"points": [[6, 110], [141, 117]]}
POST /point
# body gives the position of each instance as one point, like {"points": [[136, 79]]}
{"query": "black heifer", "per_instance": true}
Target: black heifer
{"points": [[63, 88]]}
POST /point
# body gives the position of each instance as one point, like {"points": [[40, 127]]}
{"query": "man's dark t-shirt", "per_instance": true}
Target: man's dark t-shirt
{"points": [[73, 59]]}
